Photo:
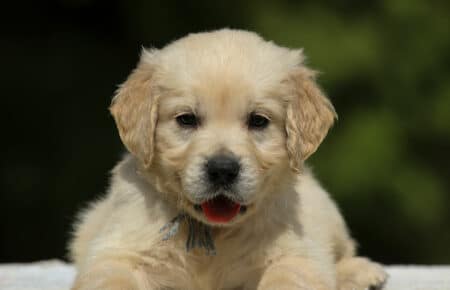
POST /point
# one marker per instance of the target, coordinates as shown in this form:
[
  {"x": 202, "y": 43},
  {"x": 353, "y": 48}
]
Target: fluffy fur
[{"x": 292, "y": 235}]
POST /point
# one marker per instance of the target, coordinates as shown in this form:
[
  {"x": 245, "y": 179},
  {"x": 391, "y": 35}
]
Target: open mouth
[{"x": 221, "y": 209}]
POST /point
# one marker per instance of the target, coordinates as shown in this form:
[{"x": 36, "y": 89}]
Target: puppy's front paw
[
  {"x": 298, "y": 273},
  {"x": 359, "y": 273},
  {"x": 108, "y": 276},
  {"x": 103, "y": 284}
]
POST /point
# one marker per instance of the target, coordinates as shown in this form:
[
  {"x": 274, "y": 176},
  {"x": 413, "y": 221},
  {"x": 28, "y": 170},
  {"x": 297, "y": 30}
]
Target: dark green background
[{"x": 385, "y": 65}]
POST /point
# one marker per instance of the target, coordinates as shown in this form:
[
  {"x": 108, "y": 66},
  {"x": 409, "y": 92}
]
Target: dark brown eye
[
  {"x": 258, "y": 122},
  {"x": 187, "y": 120}
]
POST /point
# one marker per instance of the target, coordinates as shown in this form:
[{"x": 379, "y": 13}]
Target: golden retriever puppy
[{"x": 215, "y": 193}]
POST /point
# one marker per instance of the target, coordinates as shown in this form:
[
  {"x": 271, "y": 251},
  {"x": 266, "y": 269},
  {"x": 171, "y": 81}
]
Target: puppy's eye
[
  {"x": 256, "y": 121},
  {"x": 187, "y": 120}
]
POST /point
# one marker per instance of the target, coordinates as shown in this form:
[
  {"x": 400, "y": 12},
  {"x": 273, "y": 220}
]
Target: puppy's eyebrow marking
[
  {"x": 266, "y": 113},
  {"x": 184, "y": 108},
  {"x": 269, "y": 107},
  {"x": 173, "y": 104}
]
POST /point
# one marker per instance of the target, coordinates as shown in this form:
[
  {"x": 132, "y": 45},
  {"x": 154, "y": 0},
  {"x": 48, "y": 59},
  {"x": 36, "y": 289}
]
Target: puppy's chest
[
  {"x": 224, "y": 271},
  {"x": 238, "y": 263}
]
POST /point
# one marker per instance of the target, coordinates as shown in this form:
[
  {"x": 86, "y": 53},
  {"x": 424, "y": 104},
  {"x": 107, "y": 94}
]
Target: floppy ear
[
  {"x": 134, "y": 109},
  {"x": 309, "y": 116}
]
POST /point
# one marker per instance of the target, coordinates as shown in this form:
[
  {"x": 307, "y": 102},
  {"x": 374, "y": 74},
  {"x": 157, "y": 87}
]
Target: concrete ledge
[
  {"x": 56, "y": 275},
  {"x": 46, "y": 275}
]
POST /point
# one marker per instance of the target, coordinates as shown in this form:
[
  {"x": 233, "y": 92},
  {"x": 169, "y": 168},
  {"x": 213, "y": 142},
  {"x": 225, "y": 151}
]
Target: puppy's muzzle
[{"x": 222, "y": 170}]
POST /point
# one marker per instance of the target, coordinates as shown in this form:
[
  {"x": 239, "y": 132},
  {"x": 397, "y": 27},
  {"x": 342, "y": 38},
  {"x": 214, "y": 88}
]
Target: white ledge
[{"x": 56, "y": 275}]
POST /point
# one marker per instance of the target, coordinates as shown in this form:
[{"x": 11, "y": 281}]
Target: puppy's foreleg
[
  {"x": 113, "y": 274},
  {"x": 298, "y": 273},
  {"x": 359, "y": 273}
]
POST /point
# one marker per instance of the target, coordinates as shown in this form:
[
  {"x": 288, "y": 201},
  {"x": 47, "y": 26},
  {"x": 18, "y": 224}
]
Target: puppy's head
[{"x": 222, "y": 121}]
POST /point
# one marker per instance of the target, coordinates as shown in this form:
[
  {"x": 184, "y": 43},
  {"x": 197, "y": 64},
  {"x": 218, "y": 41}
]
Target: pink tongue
[{"x": 220, "y": 209}]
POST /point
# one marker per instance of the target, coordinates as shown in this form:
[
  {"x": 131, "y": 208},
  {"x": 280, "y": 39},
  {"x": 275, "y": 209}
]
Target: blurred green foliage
[{"x": 385, "y": 65}]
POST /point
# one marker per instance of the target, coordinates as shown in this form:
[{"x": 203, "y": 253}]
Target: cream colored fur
[{"x": 292, "y": 235}]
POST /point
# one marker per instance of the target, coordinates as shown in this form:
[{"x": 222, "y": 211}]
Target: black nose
[{"x": 222, "y": 169}]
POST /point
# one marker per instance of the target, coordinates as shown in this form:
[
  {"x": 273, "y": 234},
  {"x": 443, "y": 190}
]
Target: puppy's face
[
  {"x": 224, "y": 141},
  {"x": 222, "y": 120}
]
